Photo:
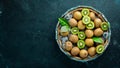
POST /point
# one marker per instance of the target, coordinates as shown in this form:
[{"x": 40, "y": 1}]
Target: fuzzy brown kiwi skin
[
  {"x": 75, "y": 51},
  {"x": 98, "y": 32},
  {"x": 64, "y": 33},
  {"x": 83, "y": 53},
  {"x": 72, "y": 22},
  {"x": 89, "y": 42},
  {"x": 73, "y": 38},
  {"x": 92, "y": 51},
  {"x": 92, "y": 15},
  {"x": 81, "y": 26},
  {"x": 97, "y": 22},
  {"x": 77, "y": 15},
  {"x": 68, "y": 45},
  {"x": 89, "y": 33}
]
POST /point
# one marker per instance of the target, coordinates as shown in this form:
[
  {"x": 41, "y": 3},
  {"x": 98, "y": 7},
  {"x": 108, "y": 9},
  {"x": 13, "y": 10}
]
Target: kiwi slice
[
  {"x": 104, "y": 26},
  {"x": 100, "y": 49},
  {"x": 90, "y": 25},
  {"x": 85, "y": 12},
  {"x": 74, "y": 30},
  {"x": 81, "y": 44},
  {"x": 81, "y": 35},
  {"x": 86, "y": 19}
]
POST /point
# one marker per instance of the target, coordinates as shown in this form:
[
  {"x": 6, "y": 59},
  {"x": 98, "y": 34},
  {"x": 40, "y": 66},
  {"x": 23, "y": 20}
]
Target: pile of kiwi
[{"x": 81, "y": 28}]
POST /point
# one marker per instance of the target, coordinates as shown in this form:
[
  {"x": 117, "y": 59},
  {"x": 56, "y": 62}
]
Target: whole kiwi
[
  {"x": 92, "y": 15},
  {"x": 81, "y": 26},
  {"x": 72, "y": 22},
  {"x": 89, "y": 42},
  {"x": 97, "y": 22},
  {"x": 75, "y": 51},
  {"x": 89, "y": 33},
  {"x": 73, "y": 38},
  {"x": 92, "y": 51},
  {"x": 77, "y": 15},
  {"x": 98, "y": 32},
  {"x": 68, "y": 45},
  {"x": 83, "y": 53},
  {"x": 64, "y": 33}
]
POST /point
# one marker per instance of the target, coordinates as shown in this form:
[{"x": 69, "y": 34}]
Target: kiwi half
[
  {"x": 100, "y": 49},
  {"x": 85, "y": 12},
  {"x": 74, "y": 30},
  {"x": 81, "y": 35},
  {"x": 86, "y": 19},
  {"x": 90, "y": 25},
  {"x": 81, "y": 44},
  {"x": 104, "y": 26}
]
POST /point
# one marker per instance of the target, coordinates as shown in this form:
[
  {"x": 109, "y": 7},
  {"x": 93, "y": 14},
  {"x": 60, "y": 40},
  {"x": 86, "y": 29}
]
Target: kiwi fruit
[
  {"x": 104, "y": 26},
  {"x": 73, "y": 22},
  {"x": 68, "y": 45},
  {"x": 73, "y": 38},
  {"x": 92, "y": 15},
  {"x": 77, "y": 15},
  {"x": 74, "y": 30},
  {"x": 64, "y": 29},
  {"x": 89, "y": 42},
  {"x": 100, "y": 49},
  {"x": 81, "y": 35},
  {"x": 98, "y": 32},
  {"x": 81, "y": 26},
  {"x": 97, "y": 22},
  {"x": 86, "y": 19},
  {"x": 81, "y": 44},
  {"x": 64, "y": 33},
  {"x": 75, "y": 51},
  {"x": 90, "y": 25},
  {"x": 89, "y": 33},
  {"x": 83, "y": 53},
  {"x": 91, "y": 51},
  {"x": 85, "y": 12}
]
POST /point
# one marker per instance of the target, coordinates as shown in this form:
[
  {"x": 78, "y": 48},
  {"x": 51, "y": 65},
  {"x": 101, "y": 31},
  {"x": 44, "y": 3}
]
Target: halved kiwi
[
  {"x": 81, "y": 44},
  {"x": 81, "y": 35},
  {"x": 74, "y": 30},
  {"x": 100, "y": 49},
  {"x": 90, "y": 25},
  {"x": 104, "y": 26},
  {"x": 86, "y": 19},
  {"x": 85, "y": 12}
]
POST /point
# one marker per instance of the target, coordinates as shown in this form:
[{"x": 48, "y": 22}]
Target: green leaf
[
  {"x": 63, "y": 22},
  {"x": 97, "y": 39}
]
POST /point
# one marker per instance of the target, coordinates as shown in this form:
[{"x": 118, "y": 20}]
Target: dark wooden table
[{"x": 27, "y": 34}]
